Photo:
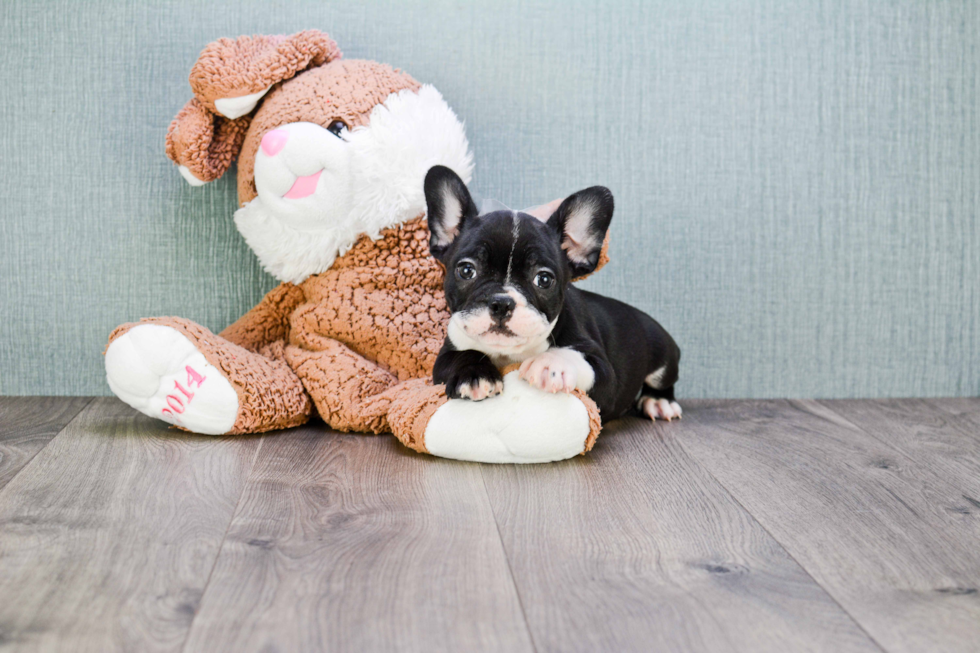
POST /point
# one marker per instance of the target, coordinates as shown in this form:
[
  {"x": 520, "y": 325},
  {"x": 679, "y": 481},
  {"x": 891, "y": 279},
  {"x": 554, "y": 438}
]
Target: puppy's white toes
[
  {"x": 648, "y": 405},
  {"x": 661, "y": 409},
  {"x": 570, "y": 380},
  {"x": 544, "y": 378},
  {"x": 553, "y": 380},
  {"x": 665, "y": 410},
  {"x": 481, "y": 389},
  {"x": 533, "y": 374},
  {"x": 552, "y": 371}
]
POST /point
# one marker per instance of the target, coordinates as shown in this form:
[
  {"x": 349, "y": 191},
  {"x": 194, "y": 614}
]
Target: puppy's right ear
[
  {"x": 581, "y": 223},
  {"x": 448, "y": 205}
]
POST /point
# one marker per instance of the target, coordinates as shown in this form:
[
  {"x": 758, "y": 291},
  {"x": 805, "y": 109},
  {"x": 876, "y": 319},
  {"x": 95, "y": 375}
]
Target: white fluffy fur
[{"x": 374, "y": 184}]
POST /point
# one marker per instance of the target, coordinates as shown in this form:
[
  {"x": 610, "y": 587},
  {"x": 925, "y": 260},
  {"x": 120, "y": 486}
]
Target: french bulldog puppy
[{"x": 508, "y": 288}]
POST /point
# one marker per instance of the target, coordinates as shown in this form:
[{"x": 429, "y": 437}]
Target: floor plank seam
[
  {"x": 885, "y": 443},
  {"x": 46, "y": 445},
  {"x": 221, "y": 546},
  {"x": 783, "y": 547},
  {"x": 510, "y": 569}
]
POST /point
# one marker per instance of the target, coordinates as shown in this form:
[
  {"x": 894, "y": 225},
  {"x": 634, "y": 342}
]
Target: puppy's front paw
[
  {"x": 660, "y": 408},
  {"x": 475, "y": 383},
  {"x": 556, "y": 370},
  {"x": 480, "y": 389}
]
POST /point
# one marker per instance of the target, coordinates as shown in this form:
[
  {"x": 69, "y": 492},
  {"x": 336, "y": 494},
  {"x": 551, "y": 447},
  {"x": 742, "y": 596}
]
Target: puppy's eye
[
  {"x": 465, "y": 270},
  {"x": 337, "y": 128},
  {"x": 544, "y": 280}
]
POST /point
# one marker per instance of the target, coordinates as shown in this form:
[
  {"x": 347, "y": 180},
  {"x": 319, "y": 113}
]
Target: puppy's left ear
[
  {"x": 582, "y": 221},
  {"x": 449, "y": 206}
]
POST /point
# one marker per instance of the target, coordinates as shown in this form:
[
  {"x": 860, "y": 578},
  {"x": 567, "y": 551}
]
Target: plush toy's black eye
[
  {"x": 544, "y": 280},
  {"x": 337, "y": 127},
  {"x": 465, "y": 270}
]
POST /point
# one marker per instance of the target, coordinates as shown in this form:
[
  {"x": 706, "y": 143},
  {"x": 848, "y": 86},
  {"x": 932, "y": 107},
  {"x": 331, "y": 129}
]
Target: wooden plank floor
[{"x": 748, "y": 526}]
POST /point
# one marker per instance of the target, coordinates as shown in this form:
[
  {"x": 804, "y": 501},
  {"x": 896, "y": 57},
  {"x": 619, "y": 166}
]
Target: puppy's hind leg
[{"x": 656, "y": 399}]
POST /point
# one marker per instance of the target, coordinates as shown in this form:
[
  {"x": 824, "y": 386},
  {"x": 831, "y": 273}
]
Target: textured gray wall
[{"x": 797, "y": 183}]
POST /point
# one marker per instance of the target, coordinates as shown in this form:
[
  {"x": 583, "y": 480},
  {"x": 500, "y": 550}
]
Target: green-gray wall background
[{"x": 797, "y": 182}]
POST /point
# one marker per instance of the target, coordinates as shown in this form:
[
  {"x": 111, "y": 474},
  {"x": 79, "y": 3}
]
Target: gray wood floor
[{"x": 748, "y": 526}]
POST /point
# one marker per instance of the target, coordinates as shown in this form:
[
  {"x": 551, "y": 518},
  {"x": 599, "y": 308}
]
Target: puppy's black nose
[{"x": 501, "y": 306}]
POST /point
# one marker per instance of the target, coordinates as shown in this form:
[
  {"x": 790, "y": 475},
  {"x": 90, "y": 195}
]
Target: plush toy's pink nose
[{"x": 274, "y": 141}]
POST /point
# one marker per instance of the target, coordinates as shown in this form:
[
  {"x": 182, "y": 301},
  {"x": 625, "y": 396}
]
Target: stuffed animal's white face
[{"x": 320, "y": 190}]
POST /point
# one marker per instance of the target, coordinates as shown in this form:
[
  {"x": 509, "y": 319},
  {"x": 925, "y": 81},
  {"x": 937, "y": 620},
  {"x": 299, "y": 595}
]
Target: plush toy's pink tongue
[{"x": 303, "y": 186}]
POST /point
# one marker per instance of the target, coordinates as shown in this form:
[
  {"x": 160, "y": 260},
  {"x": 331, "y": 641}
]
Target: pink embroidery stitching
[{"x": 175, "y": 402}]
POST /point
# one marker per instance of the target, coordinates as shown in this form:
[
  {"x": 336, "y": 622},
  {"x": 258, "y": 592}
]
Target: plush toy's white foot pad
[
  {"x": 159, "y": 372},
  {"x": 660, "y": 409},
  {"x": 521, "y": 425}
]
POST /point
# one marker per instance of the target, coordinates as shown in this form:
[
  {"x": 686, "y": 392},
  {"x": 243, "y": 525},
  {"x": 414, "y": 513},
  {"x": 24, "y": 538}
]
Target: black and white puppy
[{"x": 508, "y": 287}]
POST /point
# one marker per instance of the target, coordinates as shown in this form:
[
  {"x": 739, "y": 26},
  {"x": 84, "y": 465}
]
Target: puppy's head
[{"x": 507, "y": 271}]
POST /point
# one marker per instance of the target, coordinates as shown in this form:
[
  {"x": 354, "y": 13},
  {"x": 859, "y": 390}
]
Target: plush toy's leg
[
  {"x": 348, "y": 390},
  {"x": 521, "y": 425},
  {"x": 411, "y": 410},
  {"x": 178, "y": 371}
]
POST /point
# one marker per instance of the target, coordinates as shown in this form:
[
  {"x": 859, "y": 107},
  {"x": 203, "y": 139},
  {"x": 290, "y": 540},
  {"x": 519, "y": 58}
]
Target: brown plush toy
[{"x": 331, "y": 158}]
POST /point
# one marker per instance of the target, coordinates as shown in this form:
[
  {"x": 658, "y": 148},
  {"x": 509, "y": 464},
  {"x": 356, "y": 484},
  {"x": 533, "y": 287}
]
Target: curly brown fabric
[
  {"x": 595, "y": 421},
  {"x": 343, "y": 386},
  {"x": 205, "y": 142},
  {"x": 230, "y": 68},
  {"x": 417, "y": 400},
  {"x": 268, "y": 321},
  {"x": 383, "y": 299}
]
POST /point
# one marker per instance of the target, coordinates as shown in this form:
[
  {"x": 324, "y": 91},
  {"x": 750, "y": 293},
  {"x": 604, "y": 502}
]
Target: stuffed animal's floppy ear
[
  {"x": 582, "y": 221},
  {"x": 449, "y": 205},
  {"x": 231, "y": 76},
  {"x": 228, "y": 80},
  {"x": 203, "y": 144}
]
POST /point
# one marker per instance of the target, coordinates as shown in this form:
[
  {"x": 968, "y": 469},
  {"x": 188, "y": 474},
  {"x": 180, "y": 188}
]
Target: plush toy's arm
[
  {"x": 522, "y": 425},
  {"x": 268, "y": 322}
]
